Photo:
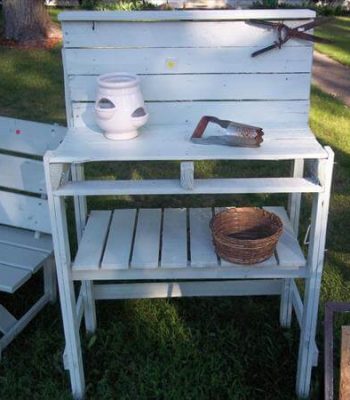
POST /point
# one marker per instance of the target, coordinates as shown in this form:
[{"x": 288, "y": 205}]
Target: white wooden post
[
  {"x": 80, "y": 208},
  {"x": 294, "y": 202},
  {"x": 53, "y": 174},
  {"x": 319, "y": 218}
]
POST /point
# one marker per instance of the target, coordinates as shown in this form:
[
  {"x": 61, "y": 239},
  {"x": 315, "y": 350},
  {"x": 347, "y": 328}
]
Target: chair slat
[
  {"x": 25, "y": 238},
  {"x": 22, "y": 174},
  {"x": 24, "y": 211},
  {"x": 12, "y": 278},
  {"x": 30, "y": 260},
  {"x": 29, "y": 137}
]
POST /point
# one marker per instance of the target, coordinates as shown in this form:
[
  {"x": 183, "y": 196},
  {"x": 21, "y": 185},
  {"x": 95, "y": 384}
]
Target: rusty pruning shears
[{"x": 284, "y": 33}]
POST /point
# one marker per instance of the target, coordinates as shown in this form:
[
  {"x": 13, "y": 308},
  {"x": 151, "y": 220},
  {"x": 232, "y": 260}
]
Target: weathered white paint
[
  {"x": 147, "y": 239},
  {"x": 174, "y": 239},
  {"x": 29, "y": 137},
  {"x": 22, "y": 174},
  {"x": 279, "y": 115},
  {"x": 204, "y": 60},
  {"x": 183, "y": 289},
  {"x": 198, "y": 87},
  {"x": 172, "y": 143},
  {"x": 209, "y": 15},
  {"x": 24, "y": 211},
  {"x": 118, "y": 247}
]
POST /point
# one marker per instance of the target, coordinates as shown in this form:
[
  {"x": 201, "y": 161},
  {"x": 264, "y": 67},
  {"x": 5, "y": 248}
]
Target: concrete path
[{"x": 332, "y": 77}]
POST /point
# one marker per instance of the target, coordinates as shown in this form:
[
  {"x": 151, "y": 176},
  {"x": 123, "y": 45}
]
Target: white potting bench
[{"x": 191, "y": 64}]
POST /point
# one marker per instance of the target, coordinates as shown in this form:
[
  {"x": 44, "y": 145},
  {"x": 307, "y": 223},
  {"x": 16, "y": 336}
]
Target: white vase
[{"x": 119, "y": 108}]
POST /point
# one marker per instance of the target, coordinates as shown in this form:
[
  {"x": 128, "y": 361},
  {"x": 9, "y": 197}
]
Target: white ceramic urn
[{"x": 119, "y": 108}]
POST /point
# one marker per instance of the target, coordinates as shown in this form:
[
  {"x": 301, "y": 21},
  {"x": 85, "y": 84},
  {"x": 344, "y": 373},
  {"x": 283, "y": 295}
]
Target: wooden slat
[
  {"x": 22, "y": 174},
  {"x": 24, "y": 211},
  {"x": 344, "y": 386},
  {"x": 7, "y": 320},
  {"x": 11, "y": 278},
  {"x": 174, "y": 238},
  {"x": 173, "y": 143},
  {"x": 29, "y": 137},
  {"x": 118, "y": 247},
  {"x": 183, "y": 60},
  {"x": 201, "y": 246},
  {"x": 288, "y": 251},
  {"x": 27, "y": 239},
  {"x": 206, "y": 87},
  {"x": 189, "y": 15},
  {"x": 92, "y": 243},
  {"x": 277, "y": 114},
  {"x": 169, "y": 34},
  {"x": 182, "y": 289},
  {"x": 201, "y": 186},
  {"x": 30, "y": 260},
  {"x": 147, "y": 239},
  {"x": 271, "y": 262}
]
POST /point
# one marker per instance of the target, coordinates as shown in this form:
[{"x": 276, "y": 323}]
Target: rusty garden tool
[
  {"x": 284, "y": 33},
  {"x": 238, "y": 135}
]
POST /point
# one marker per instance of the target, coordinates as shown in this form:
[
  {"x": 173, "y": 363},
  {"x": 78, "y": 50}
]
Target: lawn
[
  {"x": 338, "y": 32},
  {"x": 219, "y": 348}
]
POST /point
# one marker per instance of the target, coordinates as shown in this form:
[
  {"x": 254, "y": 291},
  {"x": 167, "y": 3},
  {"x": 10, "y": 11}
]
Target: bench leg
[
  {"x": 286, "y": 304},
  {"x": 294, "y": 202},
  {"x": 320, "y": 207},
  {"x": 89, "y": 306},
  {"x": 50, "y": 283},
  {"x": 80, "y": 207}
]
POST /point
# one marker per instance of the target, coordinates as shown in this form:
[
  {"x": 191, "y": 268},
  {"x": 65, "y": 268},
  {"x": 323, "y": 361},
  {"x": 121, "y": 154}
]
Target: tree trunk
[{"x": 25, "y": 20}]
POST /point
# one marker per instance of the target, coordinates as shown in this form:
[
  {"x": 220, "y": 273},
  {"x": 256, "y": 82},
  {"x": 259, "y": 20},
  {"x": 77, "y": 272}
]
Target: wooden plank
[
  {"x": 99, "y": 61},
  {"x": 173, "y": 143},
  {"x": 27, "y": 239},
  {"x": 183, "y": 289},
  {"x": 11, "y": 278},
  {"x": 119, "y": 242},
  {"x": 91, "y": 246},
  {"x": 169, "y": 34},
  {"x": 29, "y": 137},
  {"x": 288, "y": 251},
  {"x": 24, "y": 211},
  {"x": 344, "y": 386},
  {"x": 22, "y": 174},
  {"x": 277, "y": 114},
  {"x": 202, "y": 87},
  {"x": 201, "y": 186},
  {"x": 185, "y": 15},
  {"x": 271, "y": 262},
  {"x": 7, "y": 320},
  {"x": 174, "y": 238},
  {"x": 217, "y": 272},
  {"x": 147, "y": 239},
  {"x": 30, "y": 260},
  {"x": 201, "y": 246}
]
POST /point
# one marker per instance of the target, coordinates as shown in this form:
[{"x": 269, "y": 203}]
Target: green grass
[
  {"x": 338, "y": 32},
  {"x": 220, "y": 348}
]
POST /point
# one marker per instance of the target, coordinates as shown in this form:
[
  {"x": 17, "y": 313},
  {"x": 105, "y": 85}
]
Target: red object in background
[{"x": 18, "y": 131}]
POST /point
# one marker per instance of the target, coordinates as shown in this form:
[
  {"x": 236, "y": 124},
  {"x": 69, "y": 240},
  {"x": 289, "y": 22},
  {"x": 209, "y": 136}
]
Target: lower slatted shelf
[{"x": 171, "y": 244}]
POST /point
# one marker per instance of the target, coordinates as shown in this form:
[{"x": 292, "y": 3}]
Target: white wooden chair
[{"x": 25, "y": 243}]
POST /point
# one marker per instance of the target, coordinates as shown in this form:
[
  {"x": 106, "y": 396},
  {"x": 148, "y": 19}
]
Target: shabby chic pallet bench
[
  {"x": 190, "y": 63},
  {"x": 25, "y": 240}
]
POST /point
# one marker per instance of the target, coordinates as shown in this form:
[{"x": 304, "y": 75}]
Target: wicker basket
[{"x": 245, "y": 235}]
